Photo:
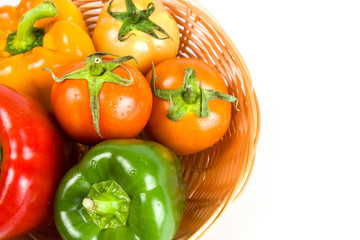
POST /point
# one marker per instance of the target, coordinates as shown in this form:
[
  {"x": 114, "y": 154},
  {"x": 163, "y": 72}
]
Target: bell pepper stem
[
  {"x": 107, "y": 204},
  {"x": 27, "y": 37}
]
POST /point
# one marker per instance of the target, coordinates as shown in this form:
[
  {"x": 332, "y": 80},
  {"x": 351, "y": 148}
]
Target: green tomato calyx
[
  {"x": 27, "y": 37},
  {"x": 107, "y": 204},
  {"x": 96, "y": 73},
  {"x": 189, "y": 97},
  {"x": 135, "y": 19}
]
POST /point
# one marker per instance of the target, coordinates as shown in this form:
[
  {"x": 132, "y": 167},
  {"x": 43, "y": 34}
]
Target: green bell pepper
[{"x": 122, "y": 189}]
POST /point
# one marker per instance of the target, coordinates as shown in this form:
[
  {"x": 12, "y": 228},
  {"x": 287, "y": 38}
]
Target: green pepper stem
[
  {"x": 107, "y": 204},
  {"x": 26, "y": 35}
]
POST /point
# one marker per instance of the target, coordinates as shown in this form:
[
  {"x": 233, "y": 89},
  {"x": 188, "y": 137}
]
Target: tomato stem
[
  {"x": 27, "y": 37},
  {"x": 135, "y": 19},
  {"x": 107, "y": 204},
  {"x": 189, "y": 97},
  {"x": 97, "y": 67}
]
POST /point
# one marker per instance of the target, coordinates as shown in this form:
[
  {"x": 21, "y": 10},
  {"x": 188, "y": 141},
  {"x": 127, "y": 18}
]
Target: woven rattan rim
[{"x": 218, "y": 175}]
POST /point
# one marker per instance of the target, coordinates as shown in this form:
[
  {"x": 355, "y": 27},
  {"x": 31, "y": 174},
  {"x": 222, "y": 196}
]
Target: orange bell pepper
[{"x": 40, "y": 34}]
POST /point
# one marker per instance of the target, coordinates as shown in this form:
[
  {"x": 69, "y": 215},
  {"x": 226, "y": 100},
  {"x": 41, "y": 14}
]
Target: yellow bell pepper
[{"x": 40, "y": 34}]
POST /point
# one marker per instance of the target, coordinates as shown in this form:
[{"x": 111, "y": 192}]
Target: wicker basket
[{"x": 216, "y": 176}]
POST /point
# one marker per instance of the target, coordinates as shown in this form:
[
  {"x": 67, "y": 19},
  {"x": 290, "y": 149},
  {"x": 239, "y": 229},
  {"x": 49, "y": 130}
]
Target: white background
[{"x": 304, "y": 59}]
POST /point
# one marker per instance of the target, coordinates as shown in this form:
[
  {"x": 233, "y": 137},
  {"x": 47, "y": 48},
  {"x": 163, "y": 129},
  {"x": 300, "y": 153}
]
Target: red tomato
[
  {"x": 123, "y": 111},
  {"x": 190, "y": 133}
]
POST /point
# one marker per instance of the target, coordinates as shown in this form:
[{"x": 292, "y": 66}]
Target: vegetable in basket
[
  {"x": 96, "y": 100},
  {"x": 38, "y": 34},
  {"x": 34, "y": 156},
  {"x": 142, "y": 29},
  {"x": 191, "y": 107},
  {"x": 122, "y": 189}
]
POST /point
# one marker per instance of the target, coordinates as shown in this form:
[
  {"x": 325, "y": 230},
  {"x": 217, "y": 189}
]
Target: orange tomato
[
  {"x": 140, "y": 44},
  {"x": 123, "y": 110},
  {"x": 191, "y": 133}
]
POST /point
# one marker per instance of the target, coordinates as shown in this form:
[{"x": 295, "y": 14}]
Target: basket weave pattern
[{"x": 216, "y": 176}]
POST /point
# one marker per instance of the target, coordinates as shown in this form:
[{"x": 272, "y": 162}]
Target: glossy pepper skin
[
  {"x": 154, "y": 199},
  {"x": 34, "y": 157},
  {"x": 65, "y": 41}
]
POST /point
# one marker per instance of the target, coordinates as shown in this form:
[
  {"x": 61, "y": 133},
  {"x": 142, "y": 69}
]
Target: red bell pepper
[{"x": 34, "y": 157}]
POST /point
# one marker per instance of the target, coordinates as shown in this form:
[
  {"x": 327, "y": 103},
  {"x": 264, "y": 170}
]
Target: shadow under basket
[{"x": 217, "y": 176}]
